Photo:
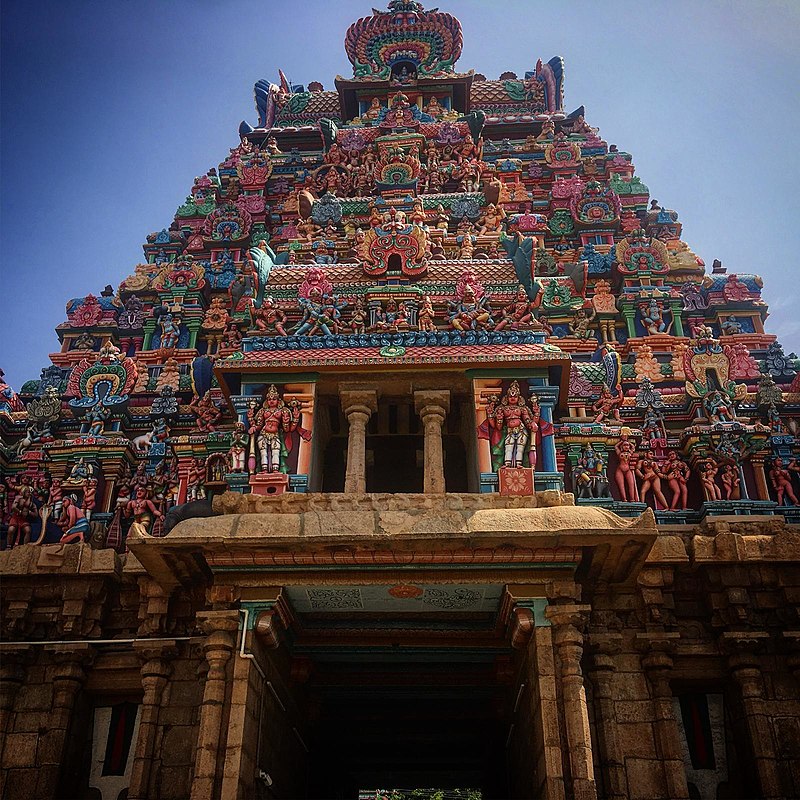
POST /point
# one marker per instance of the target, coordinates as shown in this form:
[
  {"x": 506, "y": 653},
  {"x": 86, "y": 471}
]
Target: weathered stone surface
[{"x": 20, "y": 750}]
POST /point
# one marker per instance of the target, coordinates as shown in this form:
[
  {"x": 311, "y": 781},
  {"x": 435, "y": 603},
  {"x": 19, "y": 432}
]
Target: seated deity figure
[
  {"x": 470, "y": 313},
  {"x": 517, "y": 314},
  {"x": 73, "y": 521},
  {"x": 268, "y": 318}
]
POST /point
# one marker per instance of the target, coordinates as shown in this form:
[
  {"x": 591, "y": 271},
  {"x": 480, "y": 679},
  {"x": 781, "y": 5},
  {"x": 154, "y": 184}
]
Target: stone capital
[
  {"x": 225, "y": 621},
  {"x": 155, "y": 657},
  {"x": 67, "y": 653},
  {"x": 432, "y": 402},
  {"x": 568, "y": 614},
  {"x": 359, "y": 397},
  {"x": 743, "y": 643}
]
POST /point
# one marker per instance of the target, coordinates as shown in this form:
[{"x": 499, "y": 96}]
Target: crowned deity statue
[
  {"x": 271, "y": 427},
  {"x": 511, "y": 427}
]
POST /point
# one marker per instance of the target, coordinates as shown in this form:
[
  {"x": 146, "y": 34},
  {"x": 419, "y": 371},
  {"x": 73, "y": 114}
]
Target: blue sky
[{"x": 111, "y": 107}]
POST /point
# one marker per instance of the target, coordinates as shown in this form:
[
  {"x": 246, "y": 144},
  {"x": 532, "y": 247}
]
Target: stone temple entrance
[
  {"x": 414, "y": 641},
  {"x": 405, "y": 685}
]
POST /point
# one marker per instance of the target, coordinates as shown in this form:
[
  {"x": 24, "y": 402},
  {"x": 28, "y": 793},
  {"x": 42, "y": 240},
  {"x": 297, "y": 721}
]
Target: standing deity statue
[
  {"x": 650, "y": 473},
  {"x": 271, "y": 425},
  {"x": 511, "y": 427},
  {"x": 707, "y": 469},
  {"x": 237, "y": 455},
  {"x": 22, "y": 510},
  {"x": 677, "y": 472},
  {"x": 781, "y": 480},
  {"x": 625, "y": 473}
]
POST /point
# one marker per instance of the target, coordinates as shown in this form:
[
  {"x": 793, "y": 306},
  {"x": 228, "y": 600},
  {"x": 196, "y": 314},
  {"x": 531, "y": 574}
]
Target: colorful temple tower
[{"x": 419, "y": 450}]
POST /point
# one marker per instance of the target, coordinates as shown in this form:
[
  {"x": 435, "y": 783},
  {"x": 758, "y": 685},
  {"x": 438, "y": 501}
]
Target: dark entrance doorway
[{"x": 408, "y": 725}]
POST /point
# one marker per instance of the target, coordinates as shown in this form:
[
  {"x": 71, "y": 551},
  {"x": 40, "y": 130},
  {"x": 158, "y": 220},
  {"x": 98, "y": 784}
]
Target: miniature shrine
[{"x": 419, "y": 416}]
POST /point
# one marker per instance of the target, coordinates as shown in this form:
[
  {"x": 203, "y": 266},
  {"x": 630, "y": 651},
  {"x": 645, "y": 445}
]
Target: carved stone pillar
[
  {"x": 604, "y": 648},
  {"x": 657, "y": 664},
  {"x": 746, "y": 670},
  {"x": 220, "y": 627},
  {"x": 359, "y": 402},
  {"x": 68, "y": 677},
  {"x": 568, "y": 621},
  {"x": 13, "y": 659},
  {"x": 155, "y": 672},
  {"x": 432, "y": 406}
]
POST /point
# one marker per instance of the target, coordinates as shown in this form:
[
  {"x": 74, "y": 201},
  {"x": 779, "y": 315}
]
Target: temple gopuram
[{"x": 420, "y": 456}]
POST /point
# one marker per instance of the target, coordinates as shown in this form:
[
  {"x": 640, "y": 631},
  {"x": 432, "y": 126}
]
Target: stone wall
[{"x": 713, "y": 611}]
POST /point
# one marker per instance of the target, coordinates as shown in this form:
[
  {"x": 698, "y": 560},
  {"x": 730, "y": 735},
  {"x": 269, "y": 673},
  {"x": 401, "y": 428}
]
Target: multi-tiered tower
[{"x": 388, "y": 335}]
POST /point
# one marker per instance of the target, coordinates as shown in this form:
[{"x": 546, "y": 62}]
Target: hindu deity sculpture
[
  {"x": 607, "y": 407},
  {"x": 651, "y": 313},
  {"x": 270, "y": 426},
  {"x": 731, "y": 481},
  {"x": 268, "y": 318},
  {"x": 718, "y": 408},
  {"x": 730, "y": 326},
  {"x": 517, "y": 314},
  {"x": 96, "y": 418},
  {"x": 237, "y": 454},
  {"x": 427, "y": 315},
  {"x": 143, "y": 512},
  {"x": 170, "y": 325},
  {"x": 320, "y": 314},
  {"x": 513, "y": 425},
  {"x": 781, "y": 480},
  {"x": 491, "y": 220},
  {"x": 590, "y": 475},
  {"x": 625, "y": 473},
  {"x": 677, "y": 472},
  {"x": 206, "y": 411},
  {"x": 707, "y": 469},
  {"x": 358, "y": 317},
  {"x": 392, "y": 317},
  {"x": 19, "y": 521},
  {"x": 579, "y": 327},
  {"x": 470, "y": 310},
  {"x": 9, "y": 400},
  {"x": 649, "y": 472},
  {"x": 73, "y": 521}
]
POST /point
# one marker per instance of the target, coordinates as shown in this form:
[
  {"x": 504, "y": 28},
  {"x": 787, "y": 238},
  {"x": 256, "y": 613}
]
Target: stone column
[
  {"x": 746, "y": 670},
  {"x": 155, "y": 673},
  {"x": 548, "y": 397},
  {"x": 359, "y": 403},
  {"x": 220, "y": 627},
  {"x": 657, "y": 664},
  {"x": 761, "y": 479},
  {"x": 68, "y": 677},
  {"x": 432, "y": 406},
  {"x": 605, "y": 647},
  {"x": 13, "y": 660},
  {"x": 568, "y": 621}
]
